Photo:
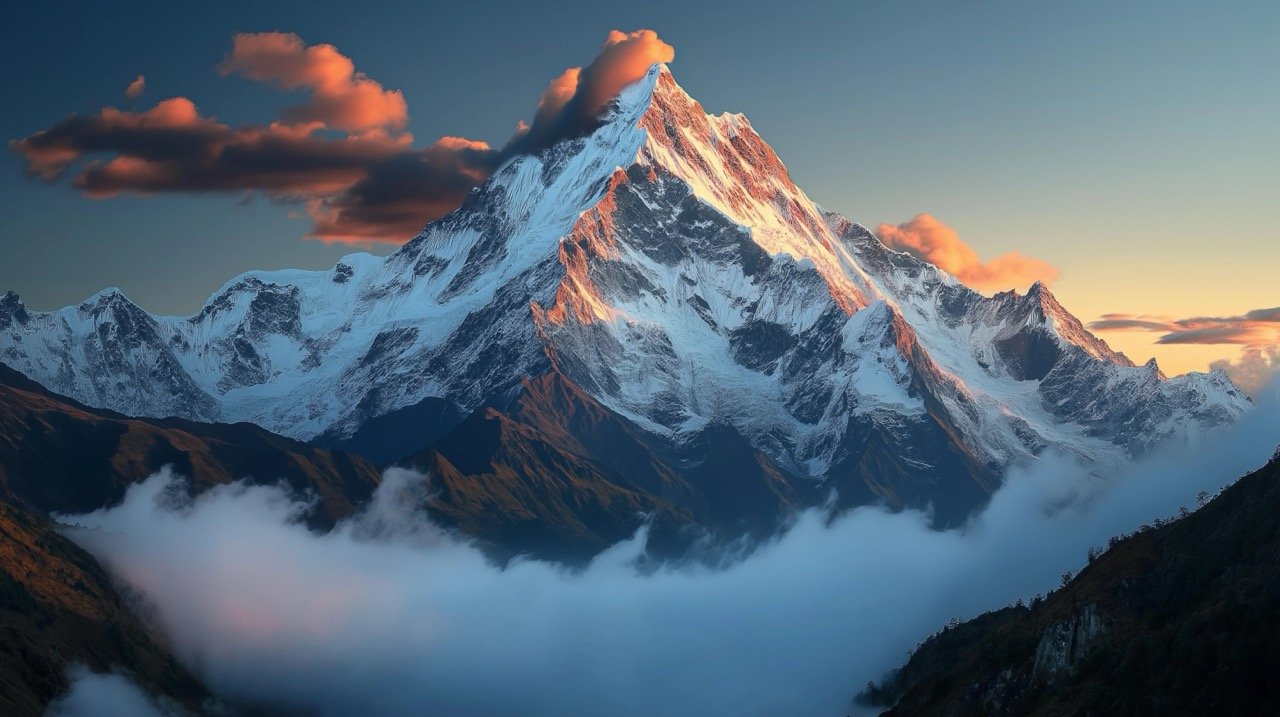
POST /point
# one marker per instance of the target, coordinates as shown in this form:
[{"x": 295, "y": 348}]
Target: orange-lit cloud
[
  {"x": 928, "y": 239},
  {"x": 572, "y": 102},
  {"x": 558, "y": 93},
  {"x": 341, "y": 97},
  {"x": 136, "y": 88},
  {"x": 344, "y": 153},
  {"x": 624, "y": 59},
  {"x": 172, "y": 147},
  {"x": 1260, "y": 327}
]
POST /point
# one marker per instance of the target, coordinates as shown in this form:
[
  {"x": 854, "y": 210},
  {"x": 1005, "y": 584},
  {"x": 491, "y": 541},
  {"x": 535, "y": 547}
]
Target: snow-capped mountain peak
[{"x": 668, "y": 265}]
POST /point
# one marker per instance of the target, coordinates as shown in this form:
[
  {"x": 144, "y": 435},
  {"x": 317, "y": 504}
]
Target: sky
[{"x": 1130, "y": 152}]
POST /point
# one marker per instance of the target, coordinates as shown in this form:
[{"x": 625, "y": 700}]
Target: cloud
[
  {"x": 107, "y": 695},
  {"x": 341, "y": 97},
  {"x": 173, "y": 148},
  {"x": 572, "y": 102},
  {"x": 1260, "y": 327},
  {"x": 1254, "y": 370},
  {"x": 1128, "y": 322},
  {"x": 344, "y": 152},
  {"x": 1246, "y": 334},
  {"x": 558, "y": 93},
  {"x": 389, "y": 615},
  {"x": 136, "y": 88},
  {"x": 398, "y": 195},
  {"x": 928, "y": 239},
  {"x": 625, "y": 58}
]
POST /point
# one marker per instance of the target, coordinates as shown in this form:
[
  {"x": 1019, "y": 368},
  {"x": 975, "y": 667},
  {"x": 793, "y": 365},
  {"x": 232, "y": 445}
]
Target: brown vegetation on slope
[
  {"x": 58, "y": 608},
  {"x": 1179, "y": 618}
]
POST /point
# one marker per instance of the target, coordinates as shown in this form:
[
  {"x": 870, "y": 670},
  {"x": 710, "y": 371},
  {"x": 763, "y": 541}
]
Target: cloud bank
[
  {"x": 1256, "y": 367},
  {"x": 928, "y": 239},
  {"x": 344, "y": 152},
  {"x": 389, "y": 615},
  {"x": 107, "y": 695}
]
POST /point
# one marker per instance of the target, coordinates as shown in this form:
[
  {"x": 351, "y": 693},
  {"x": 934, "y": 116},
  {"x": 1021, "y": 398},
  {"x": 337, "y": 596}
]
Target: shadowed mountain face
[
  {"x": 57, "y": 608},
  {"x": 1176, "y": 619},
  {"x": 60, "y": 456},
  {"x": 668, "y": 267},
  {"x": 557, "y": 474}
]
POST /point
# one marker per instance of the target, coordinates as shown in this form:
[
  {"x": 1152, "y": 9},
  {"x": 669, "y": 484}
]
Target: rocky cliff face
[
  {"x": 1064, "y": 644},
  {"x": 667, "y": 265}
]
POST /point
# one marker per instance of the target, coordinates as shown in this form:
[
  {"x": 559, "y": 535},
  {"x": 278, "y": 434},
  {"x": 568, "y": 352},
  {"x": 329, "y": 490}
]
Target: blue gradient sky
[{"x": 1134, "y": 145}]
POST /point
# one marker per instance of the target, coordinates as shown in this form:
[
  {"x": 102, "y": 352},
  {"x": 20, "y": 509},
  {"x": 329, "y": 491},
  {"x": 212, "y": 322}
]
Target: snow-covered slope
[{"x": 667, "y": 264}]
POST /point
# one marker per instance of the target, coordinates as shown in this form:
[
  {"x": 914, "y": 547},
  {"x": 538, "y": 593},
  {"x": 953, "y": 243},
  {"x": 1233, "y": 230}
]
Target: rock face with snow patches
[{"x": 666, "y": 267}]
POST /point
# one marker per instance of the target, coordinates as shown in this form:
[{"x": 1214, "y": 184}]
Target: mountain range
[
  {"x": 655, "y": 309},
  {"x": 645, "y": 324}
]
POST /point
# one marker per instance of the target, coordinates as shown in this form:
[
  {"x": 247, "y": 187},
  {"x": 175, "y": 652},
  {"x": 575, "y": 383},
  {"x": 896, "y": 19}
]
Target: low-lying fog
[{"x": 389, "y": 615}]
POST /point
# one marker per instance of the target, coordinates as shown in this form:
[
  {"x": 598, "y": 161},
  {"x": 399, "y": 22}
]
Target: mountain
[
  {"x": 58, "y": 607},
  {"x": 1178, "y": 618},
  {"x": 59, "y": 456},
  {"x": 556, "y": 474},
  {"x": 667, "y": 268}
]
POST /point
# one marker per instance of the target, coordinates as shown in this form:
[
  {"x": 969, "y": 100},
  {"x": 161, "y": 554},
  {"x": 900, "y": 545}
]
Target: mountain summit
[{"x": 667, "y": 269}]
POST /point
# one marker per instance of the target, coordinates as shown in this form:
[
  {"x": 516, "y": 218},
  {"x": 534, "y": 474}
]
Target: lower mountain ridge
[
  {"x": 556, "y": 474},
  {"x": 1178, "y": 618},
  {"x": 58, "y": 607},
  {"x": 59, "y": 456}
]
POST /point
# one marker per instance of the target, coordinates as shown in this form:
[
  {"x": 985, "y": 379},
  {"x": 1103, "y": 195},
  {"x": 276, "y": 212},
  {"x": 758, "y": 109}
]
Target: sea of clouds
[{"x": 390, "y": 615}]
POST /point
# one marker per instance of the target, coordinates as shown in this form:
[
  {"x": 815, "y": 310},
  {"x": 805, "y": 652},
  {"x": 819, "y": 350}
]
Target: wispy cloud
[
  {"x": 1257, "y": 331},
  {"x": 136, "y": 88},
  {"x": 1259, "y": 327}
]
